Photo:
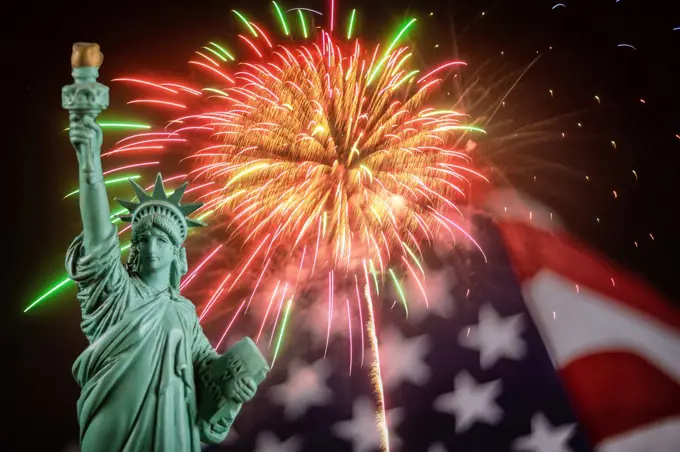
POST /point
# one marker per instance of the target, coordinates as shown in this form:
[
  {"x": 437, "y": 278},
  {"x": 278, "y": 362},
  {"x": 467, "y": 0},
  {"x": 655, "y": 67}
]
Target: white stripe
[{"x": 585, "y": 322}]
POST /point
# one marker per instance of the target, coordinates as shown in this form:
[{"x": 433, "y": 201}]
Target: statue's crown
[{"x": 159, "y": 201}]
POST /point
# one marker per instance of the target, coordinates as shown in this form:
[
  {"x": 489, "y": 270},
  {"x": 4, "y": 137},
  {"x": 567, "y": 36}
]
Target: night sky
[{"x": 638, "y": 88}]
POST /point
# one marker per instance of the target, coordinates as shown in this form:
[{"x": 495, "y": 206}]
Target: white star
[
  {"x": 305, "y": 387},
  {"x": 437, "y": 285},
  {"x": 403, "y": 359},
  {"x": 543, "y": 437},
  {"x": 494, "y": 337},
  {"x": 471, "y": 402},
  {"x": 315, "y": 318},
  {"x": 362, "y": 430},
  {"x": 269, "y": 442}
]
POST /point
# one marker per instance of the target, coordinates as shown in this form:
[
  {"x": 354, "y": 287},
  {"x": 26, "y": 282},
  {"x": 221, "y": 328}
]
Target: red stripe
[
  {"x": 532, "y": 250},
  {"x": 615, "y": 392}
]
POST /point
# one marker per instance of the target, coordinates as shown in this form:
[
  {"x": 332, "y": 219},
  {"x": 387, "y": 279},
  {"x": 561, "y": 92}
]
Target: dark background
[{"x": 142, "y": 38}]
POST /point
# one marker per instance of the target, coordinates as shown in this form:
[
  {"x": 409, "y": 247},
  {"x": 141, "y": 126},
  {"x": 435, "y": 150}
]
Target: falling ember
[
  {"x": 613, "y": 282},
  {"x": 598, "y": 100},
  {"x": 651, "y": 236},
  {"x": 577, "y": 289},
  {"x": 616, "y": 195},
  {"x": 613, "y": 144},
  {"x": 635, "y": 174}
]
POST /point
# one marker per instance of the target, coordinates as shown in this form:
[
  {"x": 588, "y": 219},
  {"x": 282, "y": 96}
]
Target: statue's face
[{"x": 156, "y": 251}]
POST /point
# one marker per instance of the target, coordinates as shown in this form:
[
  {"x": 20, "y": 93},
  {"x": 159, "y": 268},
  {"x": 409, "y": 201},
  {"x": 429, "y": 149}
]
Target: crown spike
[
  {"x": 176, "y": 196},
  {"x": 140, "y": 192},
  {"x": 193, "y": 223},
  {"x": 129, "y": 205},
  {"x": 188, "y": 209},
  {"x": 159, "y": 189}
]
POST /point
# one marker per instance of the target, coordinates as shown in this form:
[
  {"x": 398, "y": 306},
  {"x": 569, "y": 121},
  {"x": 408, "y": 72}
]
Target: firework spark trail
[
  {"x": 361, "y": 319},
  {"x": 376, "y": 376},
  {"x": 284, "y": 323},
  {"x": 257, "y": 284},
  {"x": 349, "y": 332},
  {"x": 420, "y": 285},
  {"x": 226, "y": 330},
  {"x": 266, "y": 315},
  {"x": 193, "y": 274},
  {"x": 331, "y": 289},
  {"x": 108, "y": 182},
  {"x": 213, "y": 299},
  {"x": 278, "y": 313},
  {"x": 134, "y": 165}
]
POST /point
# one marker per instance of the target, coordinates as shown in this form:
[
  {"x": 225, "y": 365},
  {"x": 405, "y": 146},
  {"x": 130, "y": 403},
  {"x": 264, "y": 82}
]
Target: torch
[{"x": 86, "y": 97}]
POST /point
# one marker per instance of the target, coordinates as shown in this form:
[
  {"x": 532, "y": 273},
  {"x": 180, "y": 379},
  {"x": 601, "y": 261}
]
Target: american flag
[{"x": 546, "y": 346}]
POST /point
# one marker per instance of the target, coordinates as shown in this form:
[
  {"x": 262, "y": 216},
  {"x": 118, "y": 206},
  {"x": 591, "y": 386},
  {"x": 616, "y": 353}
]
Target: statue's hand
[
  {"x": 242, "y": 390},
  {"x": 86, "y": 137}
]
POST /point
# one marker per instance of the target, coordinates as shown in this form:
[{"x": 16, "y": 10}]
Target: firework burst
[
  {"x": 326, "y": 152},
  {"x": 315, "y": 150}
]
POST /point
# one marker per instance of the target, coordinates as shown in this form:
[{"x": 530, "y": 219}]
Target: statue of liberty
[{"x": 150, "y": 379}]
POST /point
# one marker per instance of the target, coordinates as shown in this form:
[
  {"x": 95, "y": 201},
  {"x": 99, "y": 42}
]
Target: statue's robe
[{"x": 146, "y": 352}]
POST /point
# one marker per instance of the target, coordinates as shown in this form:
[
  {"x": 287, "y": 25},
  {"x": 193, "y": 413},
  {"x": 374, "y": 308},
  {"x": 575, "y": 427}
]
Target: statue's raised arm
[
  {"x": 151, "y": 381},
  {"x": 93, "y": 258},
  {"x": 84, "y": 100}
]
